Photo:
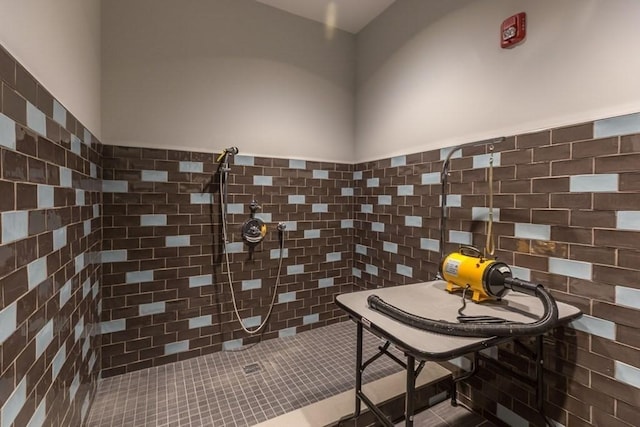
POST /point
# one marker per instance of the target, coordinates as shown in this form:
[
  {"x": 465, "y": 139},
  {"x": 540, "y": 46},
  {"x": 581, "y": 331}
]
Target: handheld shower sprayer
[{"x": 231, "y": 151}]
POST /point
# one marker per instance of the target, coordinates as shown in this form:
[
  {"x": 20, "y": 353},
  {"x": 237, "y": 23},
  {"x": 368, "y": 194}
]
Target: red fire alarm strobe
[{"x": 513, "y": 30}]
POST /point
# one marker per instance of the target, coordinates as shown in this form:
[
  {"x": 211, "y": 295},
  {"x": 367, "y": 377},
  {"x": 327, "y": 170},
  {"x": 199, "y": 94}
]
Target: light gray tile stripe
[
  {"x": 532, "y": 231},
  {"x": 176, "y": 347},
  {"x": 333, "y": 256},
  {"x": 570, "y": 268},
  {"x": 151, "y": 220},
  {"x": 390, "y": 247},
  {"x": 152, "y": 308},
  {"x": 326, "y": 282},
  {"x": 201, "y": 198},
  {"x": 36, "y": 272},
  {"x": 36, "y": 119},
  {"x": 286, "y": 297},
  {"x": 321, "y": 174},
  {"x": 203, "y": 280},
  {"x": 596, "y": 326},
  {"x": 200, "y": 322},
  {"x": 384, "y": 199},
  {"x": 14, "y": 403},
  {"x": 287, "y": 332},
  {"x": 196, "y": 167},
  {"x": 628, "y": 297},
  {"x": 482, "y": 214},
  {"x": 361, "y": 249},
  {"x": 346, "y": 223},
  {"x": 430, "y": 178},
  {"x": 248, "y": 285},
  {"x": 310, "y": 318},
  {"x": 593, "y": 183},
  {"x": 432, "y": 245},
  {"x": 241, "y": 160},
  {"x": 511, "y": 418},
  {"x": 377, "y": 227},
  {"x": 154, "y": 176},
  {"x": 405, "y": 190},
  {"x": 319, "y": 208},
  {"x": 347, "y": 191},
  {"x": 139, "y": 276},
  {"x": 7, "y": 132},
  {"x": 483, "y": 160},
  {"x": 460, "y": 237},
  {"x": 262, "y": 180},
  {"x": 252, "y": 322},
  {"x": 627, "y": 374},
  {"x": 111, "y": 326},
  {"x": 373, "y": 182},
  {"x": 8, "y": 320},
  {"x": 232, "y": 344},
  {"x": 311, "y": 234},
  {"x": 15, "y": 226},
  {"x": 621, "y": 125},
  {"x": 110, "y": 186},
  {"x": 295, "y": 269},
  {"x": 413, "y": 221},
  {"x": 371, "y": 269},
  {"x": 628, "y": 220},
  {"x": 404, "y": 270},
  {"x": 357, "y": 175},
  {"x": 59, "y": 113},
  {"x": 398, "y": 161},
  {"x": 296, "y": 199},
  {"x": 176, "y": 241},
  {"x": 119, "y": 255},
  {"x": 297, "y": 164}
]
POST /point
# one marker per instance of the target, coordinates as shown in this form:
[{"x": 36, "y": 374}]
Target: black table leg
[
  {"x": 411, "y": 388},
  {"x": 358, "y": 369}
]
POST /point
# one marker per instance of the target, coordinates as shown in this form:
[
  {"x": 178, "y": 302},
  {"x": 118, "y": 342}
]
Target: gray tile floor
[{"x": 243, "y": 388}]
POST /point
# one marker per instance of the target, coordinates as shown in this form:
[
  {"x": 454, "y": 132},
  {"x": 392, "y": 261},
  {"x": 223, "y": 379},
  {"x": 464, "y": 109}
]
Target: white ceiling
[{"x": 348, "y": 15}]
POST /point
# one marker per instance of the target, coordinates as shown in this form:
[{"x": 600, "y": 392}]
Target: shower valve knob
[{"x": 281, "y": 226}]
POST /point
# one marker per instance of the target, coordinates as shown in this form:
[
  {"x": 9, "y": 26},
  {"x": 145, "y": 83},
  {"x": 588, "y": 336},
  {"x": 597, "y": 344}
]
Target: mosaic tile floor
[{"x": 241, "y": 388}]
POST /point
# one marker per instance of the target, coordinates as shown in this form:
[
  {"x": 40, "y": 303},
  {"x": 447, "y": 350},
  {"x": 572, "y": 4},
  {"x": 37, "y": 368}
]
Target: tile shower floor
[{"x": 243, "y": 388}]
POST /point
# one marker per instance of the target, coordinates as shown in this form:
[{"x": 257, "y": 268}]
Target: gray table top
[{"x": 430, "y": 299}]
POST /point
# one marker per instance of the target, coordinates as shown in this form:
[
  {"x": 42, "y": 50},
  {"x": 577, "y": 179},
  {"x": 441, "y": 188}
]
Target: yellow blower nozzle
[{"x": 468, "y": 268}]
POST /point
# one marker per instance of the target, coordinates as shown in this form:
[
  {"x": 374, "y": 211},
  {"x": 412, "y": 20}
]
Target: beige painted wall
[
  {"x": 450, "y": 82},
  {"x": 206, "y": 75},
  {"x": 59, "y": 43}
]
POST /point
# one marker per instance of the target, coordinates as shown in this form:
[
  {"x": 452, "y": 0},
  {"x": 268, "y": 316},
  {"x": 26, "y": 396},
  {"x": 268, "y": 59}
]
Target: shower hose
[
  {"x": 479, "y": 329},
  {"x": 223, "y": 207}
]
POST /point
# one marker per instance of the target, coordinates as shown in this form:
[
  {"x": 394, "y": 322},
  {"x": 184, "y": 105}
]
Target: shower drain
[{"x": 251, "y": 368}]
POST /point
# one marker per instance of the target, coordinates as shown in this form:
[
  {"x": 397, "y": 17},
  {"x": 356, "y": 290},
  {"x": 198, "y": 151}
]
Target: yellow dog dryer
[{"x": 468, "y": 268}]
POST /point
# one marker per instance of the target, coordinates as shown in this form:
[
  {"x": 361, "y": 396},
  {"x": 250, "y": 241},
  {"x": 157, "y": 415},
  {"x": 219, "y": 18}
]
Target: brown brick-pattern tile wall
[
  {"x": 568, "y": 213},
  {"x": 51, "y": 231},
  {"x": 165, "y": 290}
]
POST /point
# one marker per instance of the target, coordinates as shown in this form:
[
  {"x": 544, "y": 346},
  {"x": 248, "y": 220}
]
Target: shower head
[{"x": 231, "y": 151}]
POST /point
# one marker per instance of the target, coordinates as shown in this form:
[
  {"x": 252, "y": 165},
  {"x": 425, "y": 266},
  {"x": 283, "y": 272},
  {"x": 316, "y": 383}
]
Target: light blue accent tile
[
  {"x": 36, "y": 119},
  {"x": 361, "y": 249},
  {"x": 80, "y": 197},
  {"x": 86, "y": 136},
  {"x": 75, "y": 384},
  {"x": 79, "y": 329},
  {"x": 109, "y": 186},
  {"x": 532, "y": 231},
  {"x": 295, "y": 269},
  {"x": 241, "y": 160},
  {"x": 119, "y": 255},
  {"x": 432, "y": 245},
  {"x": 356, "y": 272},
  {"x": 234, "y": 247},
  {"x": 404, "y": 270},
  {"x": 112, "y": 326},
  {"x": 95, "y": 289},
  {"x": 262, "y": 180},
  {"x": 151, "y": 220},
  {"x": 37, "y": 272},
  {"x": 76, "y": 145},
  {"x": 252, "y": 322},
  {"x": 371, "y": 269},
  {"x": 482, "y": 160},
  {"x": 319, "y": 174},
  {"x": 570, "y": 268},
  {"x": 152, "y": 308},
  {"x": 297, "y": 164},
  {"x": 79, "y": 263},
  {"x": 377, "y": 226},
  {"x": 454, "y": 200},
  {"x": 65, "y": 293},
  {"x": 291, "y": 225},
  {"x": 491, "y": 352},
  {"x": 235, "y": 208},
  {"x": 8, "y": 320},
  {"x": 264, "y": 216},
  {"x": 38, "y": 417},
  {"x": 96, "y": 210},
  {"x": 357, "y": 175},
  {"x": 595, "y": 326},
  {"x": 413, "y": 221},
  {"x": 275, "y": 253},
  {"x": 311, "y": 234},
  {"x": 59, "y": 113},
  {"x": 44, "y": 338},
  {"x": 310, "y": 318},
  {"x": 319, "y": 208},
  {"x": 59, "y": 238},
  {"x": 87, "y": 227},
  {"x": 201, "y": 198},
  {"x": 621, "y": 125},
  {"x": 366, "y": 208},
  {"x": 628, "y": 220},
  {"x": 444, "y": 152},
  {"x": 405, "y": 190},
  {"x": 628, "y": 297},
  {"x": 176, "y": 347},
  {"x": 154, "y": 176},
  {"x": 200, "y": 322},
  {"x": 598, "y": 183},
  {"x": 509, "y": 417},
  {"x": 398, "y": 161},
  {"x": 85, "y": 408},
  {"x": 248, "y": 285},
  {"x": 296, "y": 199},
  {"x": 390, "y": 247},
  {"x": 334, "y": 256},
  {"x": 286, "y": 297},
  {"x": 482, "y": 214},
  {"x": 14, "y": 403},
  {"x": 373, "y": 182},
  {"x": 66, "y": 179},
  {"x": 15, "y": 226},
  {"x": 196, "y": 167},
  {"x": 627, "y": 374},
  {"x": 203, "y": 280},
  {"x": 384, "y": 200},
  {"x": 440, "y": 397},
  {"x": 287, "y": 332},
  {"x": 139, "y": 276},
  {"x": 460, "y": 237},
  {"x": 93, "y": 170},
  {"x": 521, "y": 272},
  {"x": 346, "y": 223},
  {"x": 176, "y": 241},
  {"x": 430, "y": 178},
  {"x": 326, "y": 282},
  {"x": 347, "y": 191},
  {"x": 7, "y": 132}
]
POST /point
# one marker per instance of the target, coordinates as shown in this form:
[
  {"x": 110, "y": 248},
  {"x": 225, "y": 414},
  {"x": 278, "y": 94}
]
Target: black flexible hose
[{"x": 546, "y": 322}]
